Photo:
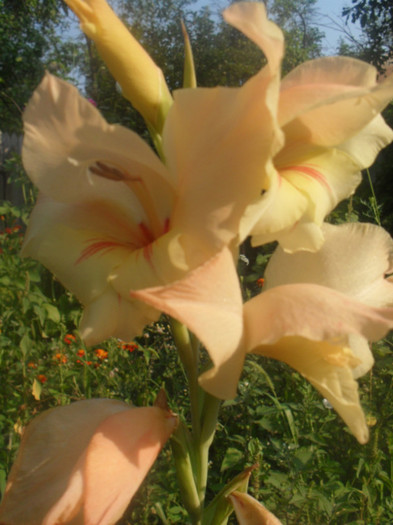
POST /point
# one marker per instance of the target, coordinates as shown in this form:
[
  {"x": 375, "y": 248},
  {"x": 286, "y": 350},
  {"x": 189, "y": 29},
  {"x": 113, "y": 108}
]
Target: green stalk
[{"x": 191, "y": 449}]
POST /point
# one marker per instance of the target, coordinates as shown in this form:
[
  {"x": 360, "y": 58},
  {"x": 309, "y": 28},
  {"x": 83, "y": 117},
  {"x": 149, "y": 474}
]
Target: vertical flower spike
[
  {"x": 250, "y": 512},
  {"x": 141, "y": 80},
  {"x": 82, "y": 463}
]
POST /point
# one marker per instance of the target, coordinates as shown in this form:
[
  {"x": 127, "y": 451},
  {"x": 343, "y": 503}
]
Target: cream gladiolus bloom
[
  {"x": 113, "y": 219},
  {"x": 328, "y": 113},
  {"x": 316, "y": 313},
  {"x": 82, "y": 463}
]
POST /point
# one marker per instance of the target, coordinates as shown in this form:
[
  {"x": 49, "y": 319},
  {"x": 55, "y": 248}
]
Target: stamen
[
  {"x": 138, "y": 187},
  {"x": 107, "y": 172}
]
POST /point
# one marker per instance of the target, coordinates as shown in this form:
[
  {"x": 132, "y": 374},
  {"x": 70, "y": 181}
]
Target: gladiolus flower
[
  {"x": 112, "y": 219},
  {"x": 250, "y": 512},
  {"x": 319, "y": 310},
  {"x": 83, "y": 463},
  {"x": 141, "y": 80},
  {"x": 328, "y": 113},
  {"x": 316, "y": 313}
]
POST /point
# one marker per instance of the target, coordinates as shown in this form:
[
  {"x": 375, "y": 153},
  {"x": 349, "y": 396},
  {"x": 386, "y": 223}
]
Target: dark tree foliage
[
  {"x": 376, "y": 20},
  {"x": 26, "y": 29}
]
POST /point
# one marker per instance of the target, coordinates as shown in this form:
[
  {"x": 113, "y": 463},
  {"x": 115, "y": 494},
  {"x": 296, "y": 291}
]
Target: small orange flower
[
  {"x": 101, "y": 353},
  {"x": 61, "y": 358},
  {"x": 31, "y": 365},
  {"x": 42, "y": 379},
  {"x": 260, "y": 282},
  {"x": 89, "y": 363},
  {"x": 69, "y": 339},
  {"x": 80, "y": 352},
  {"x": 129, "y": 346}
]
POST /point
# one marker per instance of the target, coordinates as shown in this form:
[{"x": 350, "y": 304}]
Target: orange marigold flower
[
  {"x": 101, "y": 353},
  {"x": 89, "y": 363},
  {"x": 61, "y": 358},
  {"x": 130, "y": 347},
  {"x": 80, "y": 352},
  {"x": 69, "y": 339},
  {"x": 31, "y": 365},
  {"x": 42, "y": 379},
  {"x": 260, "y": 282}
]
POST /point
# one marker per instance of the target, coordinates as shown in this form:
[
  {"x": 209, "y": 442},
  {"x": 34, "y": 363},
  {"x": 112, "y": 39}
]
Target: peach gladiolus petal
[
  {"x": 51, "y": 447},
  {"x": 121, "y": 452},
  {"x": 311, "y": 328},
  {"x": 353, "y": 260},
  {"x": 220, "y": 130},
  {"x": 64, "y": 137},
  {"x": 329, "y": 368},
  {"x": 329, "y": 100},
  {"x": 250, "y": 18},
  {"x": 208, "y": 301},
  {"x": 311, "y": 311},
  {"x": 250, "y": 512},
  {"x": 67, "y": 452}
]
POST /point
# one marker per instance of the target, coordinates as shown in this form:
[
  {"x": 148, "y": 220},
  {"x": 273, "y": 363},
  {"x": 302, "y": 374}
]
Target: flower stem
[{"x": 191, "y": 449}]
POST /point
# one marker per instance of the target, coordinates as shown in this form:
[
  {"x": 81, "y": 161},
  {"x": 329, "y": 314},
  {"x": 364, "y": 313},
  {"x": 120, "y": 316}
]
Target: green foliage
[
  {"x": 376, "y": 20},
  {"x": 28, "y": 41}
]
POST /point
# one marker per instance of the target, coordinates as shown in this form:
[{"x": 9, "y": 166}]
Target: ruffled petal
[
  {"x": 65, "y": 136},
  {"x": 208, "y": 301},
  {"x": 250, "y": 18},
  {"x": 311, "y": 311},
  {"x": 353, "y": 260},
  {"x": 329, "y": 100}
]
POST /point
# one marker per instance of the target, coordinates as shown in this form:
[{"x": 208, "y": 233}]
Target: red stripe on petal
[
  {"x": 311, "y": 172},
  {"x": 100, "y": 246}
]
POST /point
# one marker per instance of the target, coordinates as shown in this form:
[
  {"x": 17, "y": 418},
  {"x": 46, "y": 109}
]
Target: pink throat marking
[
  {"x": 102, "y": 246},
  {"x": 311, "y": 172},
  {"x": 98, "y": 246}
]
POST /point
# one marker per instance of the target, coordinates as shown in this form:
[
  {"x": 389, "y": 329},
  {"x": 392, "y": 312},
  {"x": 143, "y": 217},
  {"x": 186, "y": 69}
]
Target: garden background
[{"x": 310, "y": 468}]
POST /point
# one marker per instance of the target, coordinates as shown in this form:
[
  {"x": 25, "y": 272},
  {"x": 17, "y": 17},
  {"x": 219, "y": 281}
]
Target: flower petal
[
  {"x": 208, "y": 301},
  {"x": 228, "y": 161},
  {"x": 329, "y": 100},
  {"x": 250, "y": 512},
  {"x": 311, "y": 311},
  {"x": 51, "y": 447},
  {"x": 353, "y": 260},
  {"x": 65, "y": 136},
  {"x": 250, "y": 18},
  {"x": 121, "y": 452},
  {"x": 328, "y": 367}
]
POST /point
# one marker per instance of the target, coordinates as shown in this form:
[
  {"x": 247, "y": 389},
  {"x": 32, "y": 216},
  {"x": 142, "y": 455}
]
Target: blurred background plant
[{"x": 310, "y": 469}]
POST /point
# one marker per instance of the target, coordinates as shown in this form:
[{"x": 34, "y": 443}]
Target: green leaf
[{"x": 231, "y": 458}]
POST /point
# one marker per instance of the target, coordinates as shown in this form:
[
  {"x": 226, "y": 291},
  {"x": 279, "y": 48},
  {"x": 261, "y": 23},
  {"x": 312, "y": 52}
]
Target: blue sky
[{"x": 330, "y": 18}]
